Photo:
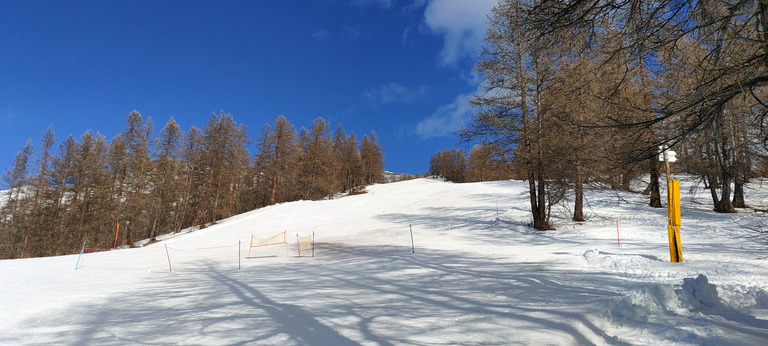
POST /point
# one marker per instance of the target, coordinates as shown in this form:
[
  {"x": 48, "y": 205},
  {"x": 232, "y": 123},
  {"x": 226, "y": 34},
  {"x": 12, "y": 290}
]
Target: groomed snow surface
[{"x": 479, "y": 275}]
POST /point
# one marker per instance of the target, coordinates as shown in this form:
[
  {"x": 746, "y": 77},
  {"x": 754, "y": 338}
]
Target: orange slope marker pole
[
  {"x": 170, "y": 269},
  {"x": 116, "y": 233}
]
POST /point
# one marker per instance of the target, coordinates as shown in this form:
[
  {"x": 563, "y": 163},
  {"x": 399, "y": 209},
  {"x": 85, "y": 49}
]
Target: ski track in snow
[{"x": 479, "y": 275}]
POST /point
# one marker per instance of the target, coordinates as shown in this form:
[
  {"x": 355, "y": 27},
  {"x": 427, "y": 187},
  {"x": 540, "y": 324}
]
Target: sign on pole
[{"x": 667, "y": 155}]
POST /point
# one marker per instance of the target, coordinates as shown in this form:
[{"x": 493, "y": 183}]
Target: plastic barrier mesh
[
  {"x": 306, "y": 245},
  {"x": 272, "y": 240},
  {"x": 147, "y": 258},
  {"x": 220, "y": 255},
  {"x": 273, "y": 249}
]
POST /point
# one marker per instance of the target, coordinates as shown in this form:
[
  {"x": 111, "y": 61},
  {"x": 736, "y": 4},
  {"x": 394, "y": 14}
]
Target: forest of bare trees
[
  {"x": 57, "y": 197},
  {"x": 581, "y": 91},
  {"x": 483, "y": 164}
]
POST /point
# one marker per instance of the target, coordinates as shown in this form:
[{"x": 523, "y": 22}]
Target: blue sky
[{"x": 403, "y": 69}]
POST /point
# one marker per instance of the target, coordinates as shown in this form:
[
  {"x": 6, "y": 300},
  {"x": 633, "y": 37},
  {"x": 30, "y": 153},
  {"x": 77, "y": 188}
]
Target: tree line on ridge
[{"x": 57, "y": 197}]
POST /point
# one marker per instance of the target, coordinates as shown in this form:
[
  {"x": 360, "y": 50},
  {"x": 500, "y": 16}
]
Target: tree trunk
[
  {"x": 762, "y": 16},
  {"x": 24, "y": 247},
  {"x": 724, "y": 204},
  {"x": 540, "y": 222},
  {"x": 532, "y": 196},
  {"x": 154, "y": 228},
  {"x": 274, "y": 190},
  {"x": 655, "y": 201},
  {"x": 625, "y": 180},
  {"x": 578, "y": 190},
  {"x": 129, "y": 236},
  {"x": 215, "y": 211},
  {"x": 738, "y": 195},
  {"x": 536, "y": 195}
]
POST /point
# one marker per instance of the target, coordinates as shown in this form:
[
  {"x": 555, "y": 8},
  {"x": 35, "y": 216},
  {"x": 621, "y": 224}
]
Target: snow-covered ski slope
[{"x": 478, "y": 276}]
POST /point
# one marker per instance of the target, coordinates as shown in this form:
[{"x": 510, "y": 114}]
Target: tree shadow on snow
[{"x": 432, "y": 297}]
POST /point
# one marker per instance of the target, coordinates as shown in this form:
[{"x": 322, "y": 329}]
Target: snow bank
[
  {"x": 695, "y": 295},
  {"x": 676, "y": 314}
]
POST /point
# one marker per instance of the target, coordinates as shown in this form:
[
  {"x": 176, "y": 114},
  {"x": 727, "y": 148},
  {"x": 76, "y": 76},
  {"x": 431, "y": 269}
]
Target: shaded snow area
[{"x": 479, "y": 275}]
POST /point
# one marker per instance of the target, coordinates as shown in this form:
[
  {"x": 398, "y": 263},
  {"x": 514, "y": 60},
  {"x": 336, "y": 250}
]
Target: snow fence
[{"x": 258, "y": 251}]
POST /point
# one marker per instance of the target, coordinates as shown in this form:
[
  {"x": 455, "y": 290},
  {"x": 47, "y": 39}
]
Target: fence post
[
  {"x": 81, "y": 255},
  {"x": 169, "y": 258},
  {"x": 413, "y": 249}
]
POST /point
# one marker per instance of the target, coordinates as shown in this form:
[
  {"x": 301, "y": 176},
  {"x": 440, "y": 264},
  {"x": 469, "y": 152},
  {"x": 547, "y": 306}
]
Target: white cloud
[
  {"x": 320, "y": 35},
  {"x": 394, "y": 92},
  {"x": 406, "y": 33},
  {"x": 353, "y": 32},
  {"x": 462, "y": 24},
  {"x": 447, "y": 119}
]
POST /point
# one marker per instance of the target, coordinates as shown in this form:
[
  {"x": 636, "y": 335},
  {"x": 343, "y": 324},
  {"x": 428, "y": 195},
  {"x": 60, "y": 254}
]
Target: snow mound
[
  {"x": 677, "y": 314},
  {"x": 638, "y": 305},
  {"x": 630, "y": 264},
  {"x": 695, "y": 295},
  {"x": 698, "y": 294}
]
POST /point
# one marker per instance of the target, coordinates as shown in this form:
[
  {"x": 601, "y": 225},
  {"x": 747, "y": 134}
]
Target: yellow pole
[
  {"x": 673, "y": 214},
  {"x": 675, "y": 247}
]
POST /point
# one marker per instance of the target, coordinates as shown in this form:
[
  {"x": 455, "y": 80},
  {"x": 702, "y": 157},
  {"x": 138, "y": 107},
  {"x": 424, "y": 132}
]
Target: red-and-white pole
[{"x": 618, "y": 241}]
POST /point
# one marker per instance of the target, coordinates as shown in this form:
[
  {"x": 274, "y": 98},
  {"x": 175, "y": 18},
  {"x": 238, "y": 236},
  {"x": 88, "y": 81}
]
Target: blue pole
[
  {"x": 413, "y": 249},
  {"x": 81, "y": 255}
]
